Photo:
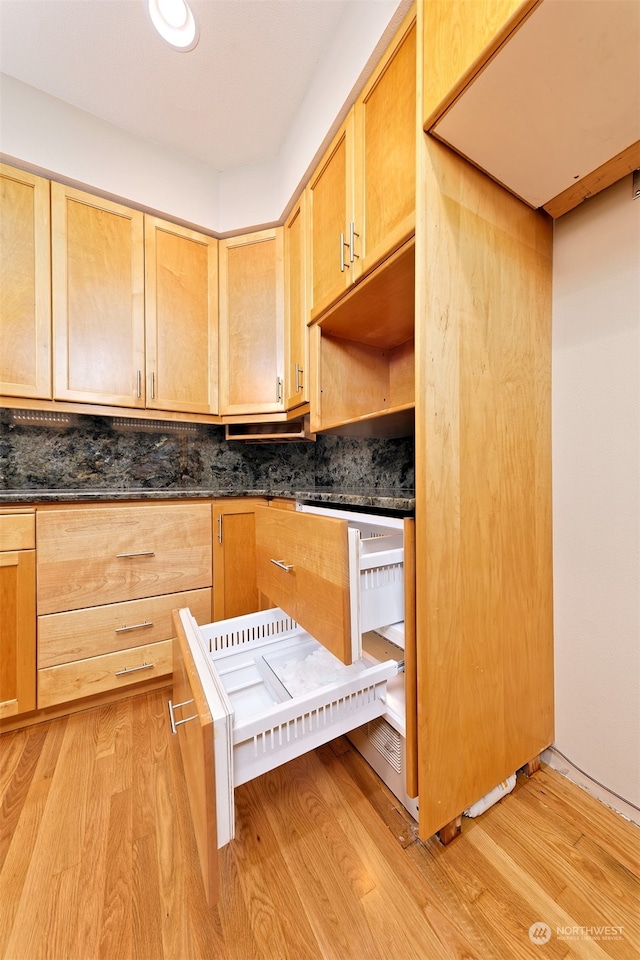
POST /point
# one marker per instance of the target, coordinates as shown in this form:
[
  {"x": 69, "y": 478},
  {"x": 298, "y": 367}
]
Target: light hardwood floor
[{"x": 97, "y": 859}]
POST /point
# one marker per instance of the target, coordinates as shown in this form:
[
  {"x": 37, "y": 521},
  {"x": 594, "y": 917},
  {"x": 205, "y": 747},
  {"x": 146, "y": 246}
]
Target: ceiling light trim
[{"x": 177, "y": 27}]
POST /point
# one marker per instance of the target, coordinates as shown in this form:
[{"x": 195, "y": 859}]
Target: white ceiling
[{"x": 228, "y": 103}]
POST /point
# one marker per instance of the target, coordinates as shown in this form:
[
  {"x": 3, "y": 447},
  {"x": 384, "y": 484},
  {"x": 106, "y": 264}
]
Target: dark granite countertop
[{"x": 402, "y": 501}]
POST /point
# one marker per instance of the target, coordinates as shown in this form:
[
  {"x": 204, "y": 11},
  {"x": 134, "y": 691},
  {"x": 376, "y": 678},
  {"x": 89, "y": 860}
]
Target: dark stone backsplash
[{"x": 90, "y": 452}]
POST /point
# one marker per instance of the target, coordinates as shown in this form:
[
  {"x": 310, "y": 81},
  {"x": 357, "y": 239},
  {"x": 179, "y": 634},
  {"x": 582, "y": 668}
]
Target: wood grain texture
[
  {"x": 251, "y": 322},
  {"x": 80, "y": 562},
  {"x": 610, "y": 172},
  {"x": 17, "y": 632},
  {"x": 98, "y": 858},
  {"x": 483, "y": 487},
  {"x": 235, "y": 590},
  {"x": 64, "y": 637},
  {"x": 195, "y": 739},
  {"x": 296, "y": 310},
  {"x": 18, "y": 531},
  {"x": 459, "y": 37},
  {"x": 315, "y": 592},
  {"x": 330, "y": 209},
  {"x": 25, "y": 284},
  {"x": 110, "y": 671},
  {"x": 98, "y": 298},
  {"x": 181, "y": 318},
  {"x": 385, "y": 152}
]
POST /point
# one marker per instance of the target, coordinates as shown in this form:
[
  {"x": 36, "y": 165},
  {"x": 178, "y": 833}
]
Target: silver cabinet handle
[
  {"x": 278, "y": 389},
  {"x": 172, "y": 720},
  {"x": 153, "y": 385},
  {"x": 143, "y": 553},
  {"x": 299, "y": 370},
  {"x": 138, "y": 384},
  {"x": 220, "y": 528},
  {"x": 283, "y": 566},
  {"x": 343, "y": 244},
  {"x": 352, "y": 245},
  {"x": 143, "y": 666},
  {"x": 134, "y": 626}
]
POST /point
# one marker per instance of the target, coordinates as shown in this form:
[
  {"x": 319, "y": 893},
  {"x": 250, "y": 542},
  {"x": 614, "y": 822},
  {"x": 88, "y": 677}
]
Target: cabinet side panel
[{"x": 483, "y": 487}]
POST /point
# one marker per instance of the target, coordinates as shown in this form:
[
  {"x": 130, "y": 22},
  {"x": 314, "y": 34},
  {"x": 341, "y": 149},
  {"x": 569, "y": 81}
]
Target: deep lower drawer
[
  {"x": 113, "y": 671},
  {"x": 80, "y": 634}
]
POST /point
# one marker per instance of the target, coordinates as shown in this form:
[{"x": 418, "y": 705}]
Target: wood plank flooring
[{"x": 97, "y": 860}]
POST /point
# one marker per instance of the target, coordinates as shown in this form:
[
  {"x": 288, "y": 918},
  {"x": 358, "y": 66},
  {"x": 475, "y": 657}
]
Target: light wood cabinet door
[
  {"x": 296, "y": 313},
  {"x": 25, "y": 285},
  {"x": 310, "y": 579},
  {"x": 181, "y": 314},
  {"x": 330, "y": 211},
  {"x": 235, "y": 585},
  {"x": 195, "y": 731},
  {"x": 98, "y": 299},
  {"x": 17, "y": 615},
  {"x": 385, "y": 153},
  {"x": 252, "y": 323}
]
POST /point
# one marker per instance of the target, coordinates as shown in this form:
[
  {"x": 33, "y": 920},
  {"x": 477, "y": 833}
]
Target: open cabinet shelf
[{"x": 363, "y": 355}]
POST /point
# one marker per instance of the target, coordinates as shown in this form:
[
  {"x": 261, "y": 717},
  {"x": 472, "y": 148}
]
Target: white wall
[
  {"x": 65, "y": 142},
  {"x": 596, "y": 475},
  {"x": 51, "y": 136}
]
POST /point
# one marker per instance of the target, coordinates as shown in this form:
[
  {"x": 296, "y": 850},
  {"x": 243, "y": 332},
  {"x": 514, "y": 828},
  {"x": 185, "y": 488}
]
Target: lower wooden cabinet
[
  {"x": 235, "y": 590},
  {"x": 86, "y": 652},
  {"x": 108, "y": 578},
  {"x": 113, "y": 671},
  {"x": 17, "y": 614}
]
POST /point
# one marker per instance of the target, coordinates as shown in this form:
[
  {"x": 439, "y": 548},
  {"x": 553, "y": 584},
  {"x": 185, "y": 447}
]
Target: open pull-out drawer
[
  {"x": 338, "y": 574},
  {"x": 250, "y": 694}
]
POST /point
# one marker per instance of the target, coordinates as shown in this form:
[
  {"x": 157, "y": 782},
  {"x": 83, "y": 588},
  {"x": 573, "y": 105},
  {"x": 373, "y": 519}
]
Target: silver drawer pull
[
  {"x": 283, "y": 566},
  {"x": 143, "y": 666},
  {"x": 143, "y": 553},
  {"x": 172, "y": 720},
  {"x": 134, "y": 626}
]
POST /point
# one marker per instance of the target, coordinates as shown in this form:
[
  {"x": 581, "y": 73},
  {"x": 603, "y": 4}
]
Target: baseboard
[{"x": 563, "y": 766}]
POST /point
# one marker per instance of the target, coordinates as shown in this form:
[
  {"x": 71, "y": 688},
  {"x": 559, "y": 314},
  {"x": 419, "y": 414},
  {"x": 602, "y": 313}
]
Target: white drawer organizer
[{"x": 262, "y": 686}]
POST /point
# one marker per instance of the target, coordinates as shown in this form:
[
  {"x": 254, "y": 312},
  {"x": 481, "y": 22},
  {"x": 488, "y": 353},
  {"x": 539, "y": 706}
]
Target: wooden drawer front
[
  {"x": 89, "y": 557},
  {"x": 315, "y": 591},
  {"x": 18, "y": 531},
  {"x": 65, "y": 637},
  {"x": 84, "y": 678}
]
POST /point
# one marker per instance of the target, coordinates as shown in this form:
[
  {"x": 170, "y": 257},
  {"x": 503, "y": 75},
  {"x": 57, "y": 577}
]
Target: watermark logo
[{"x": 539, "y": 932}]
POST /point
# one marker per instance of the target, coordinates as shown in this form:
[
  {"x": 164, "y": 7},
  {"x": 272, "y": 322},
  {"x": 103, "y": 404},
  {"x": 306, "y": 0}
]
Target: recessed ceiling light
[{"x": 175, "y": 23}]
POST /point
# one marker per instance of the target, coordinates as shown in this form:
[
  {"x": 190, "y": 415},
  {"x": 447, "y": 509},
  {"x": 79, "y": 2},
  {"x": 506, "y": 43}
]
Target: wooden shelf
[{"x": 380, "y": 309}]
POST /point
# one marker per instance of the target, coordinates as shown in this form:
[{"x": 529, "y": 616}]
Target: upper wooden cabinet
[
  {"x": 130, "y": 329},
  {"x": 181, "y": 314},
  {"x": 252, "y": 323},
  {"x": 295, "y": 307},
  {"x": 98, "y": 299},
  {"x": 385, "y": 156},
  {"x": 25, "y": 285},
  {"x": 543, "y": 96},
  {"x": 330, "y": 213},
  {"x": 361, "y": 199}
]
